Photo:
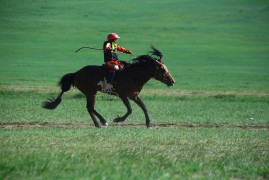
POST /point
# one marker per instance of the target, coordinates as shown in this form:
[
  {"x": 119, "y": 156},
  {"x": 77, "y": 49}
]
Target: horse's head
[{"x": 162, "y": 74}]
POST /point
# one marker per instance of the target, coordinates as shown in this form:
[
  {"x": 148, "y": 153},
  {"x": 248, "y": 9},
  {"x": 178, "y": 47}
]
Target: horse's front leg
[
  {"x": 93, "y": 112},
  {"x": 126, "y": 102},
  {"x": 138, "y": 101}
]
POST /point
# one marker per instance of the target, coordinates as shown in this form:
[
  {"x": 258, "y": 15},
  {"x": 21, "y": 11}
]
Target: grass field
[{"x": 212, "y": 124}]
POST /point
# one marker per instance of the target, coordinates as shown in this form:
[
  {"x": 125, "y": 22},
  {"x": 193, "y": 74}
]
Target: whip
[
  {"x": 88, "y": 48},
  {"x": 97, "y": 49}
]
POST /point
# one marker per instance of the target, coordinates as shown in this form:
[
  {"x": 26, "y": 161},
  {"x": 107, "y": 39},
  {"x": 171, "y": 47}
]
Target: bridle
[{"x": 159, "y": 64}]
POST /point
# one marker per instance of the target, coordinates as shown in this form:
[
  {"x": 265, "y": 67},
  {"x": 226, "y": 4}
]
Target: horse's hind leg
[
  {"x": 100, "y": 117},
  {"x": 90, "y": 108},
  {"x": 102, "y": 120},
  {"x": 93, "y": 112}
]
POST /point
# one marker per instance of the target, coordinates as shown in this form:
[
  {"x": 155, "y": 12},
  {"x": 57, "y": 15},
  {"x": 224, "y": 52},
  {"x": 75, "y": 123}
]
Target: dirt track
[
  {"x": 16, "y": 125},
  {"x": 144, "y": 92}
]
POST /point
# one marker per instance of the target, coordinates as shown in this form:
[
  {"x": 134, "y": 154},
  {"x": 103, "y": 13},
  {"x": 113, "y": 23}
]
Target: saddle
[{"x": 123, "y": 65}]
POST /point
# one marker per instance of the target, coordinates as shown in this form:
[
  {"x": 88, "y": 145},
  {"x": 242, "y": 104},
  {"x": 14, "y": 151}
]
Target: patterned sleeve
[{"x": 121, "y": 49}]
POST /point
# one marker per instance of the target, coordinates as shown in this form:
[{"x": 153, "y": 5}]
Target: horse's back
[
  {"x": 89, "y": 75},
  {"x": 93, "y": 69}
]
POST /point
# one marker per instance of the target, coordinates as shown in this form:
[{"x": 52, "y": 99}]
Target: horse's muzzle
[{"x": 169, "y": 80}]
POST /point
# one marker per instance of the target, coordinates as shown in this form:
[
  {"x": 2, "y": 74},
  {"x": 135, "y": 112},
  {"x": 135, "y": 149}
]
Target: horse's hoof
[
  {"x": 149, "y": 126},
  {"x": 117, "y": 119},
  {"x": 98, "y": 126},
  {"x": 104, "y": 123}
]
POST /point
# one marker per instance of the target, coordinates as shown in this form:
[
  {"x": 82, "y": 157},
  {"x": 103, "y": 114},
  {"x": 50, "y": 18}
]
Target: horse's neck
[{"x": 142, "y": 75}]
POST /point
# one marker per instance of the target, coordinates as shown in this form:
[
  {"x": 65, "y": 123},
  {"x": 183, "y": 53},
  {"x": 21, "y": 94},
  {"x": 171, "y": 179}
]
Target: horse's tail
[{"x": 65, "y": 84}]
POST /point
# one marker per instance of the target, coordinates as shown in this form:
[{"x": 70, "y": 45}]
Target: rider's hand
[{"x": 127, "y": 51}]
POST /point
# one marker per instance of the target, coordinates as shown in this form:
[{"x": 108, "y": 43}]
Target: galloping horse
[{"x": 128, "y": 84}]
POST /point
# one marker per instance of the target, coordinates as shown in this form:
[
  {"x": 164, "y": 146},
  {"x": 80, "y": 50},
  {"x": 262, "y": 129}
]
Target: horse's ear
[{"x": 155, "y": 52}]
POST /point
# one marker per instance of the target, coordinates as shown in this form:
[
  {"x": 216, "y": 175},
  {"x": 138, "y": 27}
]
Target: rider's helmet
[{"x": 112, "y": 36}]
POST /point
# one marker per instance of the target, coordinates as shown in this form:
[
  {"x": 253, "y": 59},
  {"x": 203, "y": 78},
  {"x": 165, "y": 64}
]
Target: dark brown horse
[{"x": 128, "y": 84}]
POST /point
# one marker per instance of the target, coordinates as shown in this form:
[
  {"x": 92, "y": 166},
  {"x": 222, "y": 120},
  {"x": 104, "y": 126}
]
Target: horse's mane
[
  {"x": 149, "y": 57},
  {"x": 141, "y": 60}
]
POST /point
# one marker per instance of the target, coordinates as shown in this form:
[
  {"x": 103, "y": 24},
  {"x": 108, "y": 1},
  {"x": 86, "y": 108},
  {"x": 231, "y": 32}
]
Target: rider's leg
[
  {"x": 113, "y": 66},
  {"x": 111, "y": 77}
]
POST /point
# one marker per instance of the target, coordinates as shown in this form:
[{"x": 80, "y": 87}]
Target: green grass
[
  {"x": 221, "y": 109},
  {"x": 213, "y": 124},
  {"x": 134, "y": 153},
  {"x": 209, "y": 45},
  {"x": 194, "y": 137}
]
